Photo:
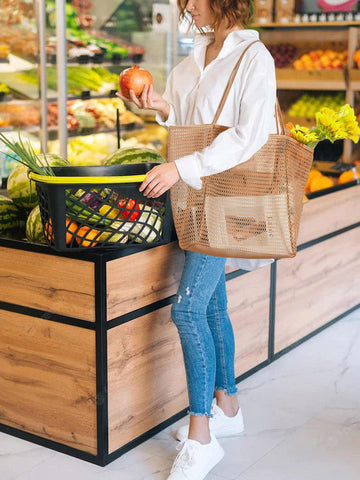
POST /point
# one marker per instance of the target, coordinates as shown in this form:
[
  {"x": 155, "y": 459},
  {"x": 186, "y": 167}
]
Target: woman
[{"x": 193, "y": 92}]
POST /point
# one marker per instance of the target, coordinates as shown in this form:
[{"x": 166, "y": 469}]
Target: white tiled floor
[{"x": 302, "y": 420}]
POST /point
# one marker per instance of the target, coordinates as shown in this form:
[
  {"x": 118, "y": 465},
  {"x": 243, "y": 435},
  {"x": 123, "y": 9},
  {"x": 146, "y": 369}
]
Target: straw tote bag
[{"x": 251, "y": 210}]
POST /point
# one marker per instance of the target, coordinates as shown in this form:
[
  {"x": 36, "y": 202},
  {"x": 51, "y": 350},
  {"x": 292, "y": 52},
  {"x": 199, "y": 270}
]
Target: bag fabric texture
[{"x": 252, "y": 210}]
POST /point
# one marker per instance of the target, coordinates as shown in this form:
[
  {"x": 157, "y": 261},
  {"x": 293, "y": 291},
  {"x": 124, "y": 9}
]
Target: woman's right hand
[{"x": 149, "y": 100}]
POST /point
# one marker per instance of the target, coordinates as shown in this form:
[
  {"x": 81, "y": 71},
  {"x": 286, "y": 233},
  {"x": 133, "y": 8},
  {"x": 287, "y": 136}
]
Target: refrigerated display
[{"x": 101, "y": 41}]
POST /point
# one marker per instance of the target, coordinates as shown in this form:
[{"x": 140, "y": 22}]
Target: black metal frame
[{"x": 101, "y": 326}]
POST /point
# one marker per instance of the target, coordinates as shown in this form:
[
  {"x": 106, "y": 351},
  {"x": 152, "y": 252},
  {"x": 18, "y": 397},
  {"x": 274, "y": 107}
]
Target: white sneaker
[
  {"x": 220, "y": 424},
  {"x": 195, "y": 460}
]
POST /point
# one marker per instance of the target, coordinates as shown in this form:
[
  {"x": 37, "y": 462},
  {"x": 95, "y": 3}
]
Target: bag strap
[{"x": 278, "y": 115}]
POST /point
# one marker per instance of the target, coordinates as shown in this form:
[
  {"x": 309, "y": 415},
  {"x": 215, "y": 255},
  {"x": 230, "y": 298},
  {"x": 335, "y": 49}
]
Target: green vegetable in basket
[
  {"x": 111, "y": 236},
  {"x": 148, "y": 226},
  {"x": 83, "y": 212}
]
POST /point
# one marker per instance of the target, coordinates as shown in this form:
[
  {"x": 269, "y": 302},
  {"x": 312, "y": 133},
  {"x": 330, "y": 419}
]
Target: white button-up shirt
[{"x": 194, "y": 92}]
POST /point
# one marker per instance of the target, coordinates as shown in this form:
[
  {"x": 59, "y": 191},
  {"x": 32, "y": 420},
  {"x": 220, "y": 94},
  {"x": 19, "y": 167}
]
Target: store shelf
[
  {"x": 53, "y": 130},
  {"x": 15, "y": 64},
  {"x": 327, "y": 79},
  {"x": 94, "y": 65},
  {"x": 305, "y": 24},
  {"x": 354, "y": 79}
]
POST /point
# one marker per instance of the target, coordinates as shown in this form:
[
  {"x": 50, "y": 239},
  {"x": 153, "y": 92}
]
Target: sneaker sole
[
  {"x": 216, "y": 460},
  {"x": 217, "y": 435}
]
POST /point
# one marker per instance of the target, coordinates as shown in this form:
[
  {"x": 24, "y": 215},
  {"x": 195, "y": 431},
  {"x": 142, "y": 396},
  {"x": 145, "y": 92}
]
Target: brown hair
[{"x": 236, "y": 12}]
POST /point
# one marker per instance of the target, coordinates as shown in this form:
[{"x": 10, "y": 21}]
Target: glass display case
[{"x": 65, "y": 100}]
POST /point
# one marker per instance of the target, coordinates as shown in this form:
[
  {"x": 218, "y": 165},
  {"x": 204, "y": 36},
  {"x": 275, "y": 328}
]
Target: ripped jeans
[{"x": 206, "y": 334}]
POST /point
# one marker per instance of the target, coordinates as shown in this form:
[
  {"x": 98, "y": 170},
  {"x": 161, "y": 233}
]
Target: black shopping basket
[{"x": 101, "y": 206}]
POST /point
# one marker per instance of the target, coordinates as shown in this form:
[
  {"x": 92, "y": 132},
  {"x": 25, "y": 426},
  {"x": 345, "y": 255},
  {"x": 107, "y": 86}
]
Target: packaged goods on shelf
[
  {"x": 284, "y": 11},
  {"x": 20, "y": 40},
  {"x": 20, "y": 115},
  {"x": 263, "y": 11},
  {"x": 14, "y": 12}
]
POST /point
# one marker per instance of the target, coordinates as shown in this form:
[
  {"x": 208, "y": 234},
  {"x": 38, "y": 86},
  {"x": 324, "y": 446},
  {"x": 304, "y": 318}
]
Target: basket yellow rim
[{"x": 87, "y": 180}]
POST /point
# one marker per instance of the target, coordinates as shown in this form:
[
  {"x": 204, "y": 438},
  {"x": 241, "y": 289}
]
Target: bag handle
[{"x": 278, "y": 115}]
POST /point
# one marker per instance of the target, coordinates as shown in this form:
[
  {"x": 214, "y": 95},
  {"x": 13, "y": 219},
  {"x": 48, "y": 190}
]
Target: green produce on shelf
[
  {"x": 12, "y": 219},
  {"x": 34, "y": 227},
  {"x": 71, "y": 15},
  {"x": 97, "y": 79},
  {"x": 307, "y": 105},
  {"x": 4, "y": 88},
  {"x": 109, "y": 47}
]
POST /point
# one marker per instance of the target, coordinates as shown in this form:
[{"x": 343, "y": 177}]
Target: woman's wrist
[{"x": 164, "y": 112}]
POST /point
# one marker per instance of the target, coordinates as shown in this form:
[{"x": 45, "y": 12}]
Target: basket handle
[
  {"x": 278, "y": 115},
  {"x": 279, "y": 118}
]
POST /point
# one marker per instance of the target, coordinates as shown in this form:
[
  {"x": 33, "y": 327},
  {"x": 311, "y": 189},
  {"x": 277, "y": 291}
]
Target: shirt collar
[{"x": 234, "y": 38}]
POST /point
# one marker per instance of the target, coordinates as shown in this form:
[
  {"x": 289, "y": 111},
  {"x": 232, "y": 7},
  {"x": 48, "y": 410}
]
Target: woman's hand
[
  {"x": 149, "y": 100},
  {"x": 159, "y": 179}
]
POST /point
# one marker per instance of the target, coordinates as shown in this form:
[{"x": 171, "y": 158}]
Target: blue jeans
[{"x": 206, "y": 334}]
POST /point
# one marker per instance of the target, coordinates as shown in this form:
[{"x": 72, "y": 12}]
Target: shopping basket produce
[{"x": 101, "y": 207}]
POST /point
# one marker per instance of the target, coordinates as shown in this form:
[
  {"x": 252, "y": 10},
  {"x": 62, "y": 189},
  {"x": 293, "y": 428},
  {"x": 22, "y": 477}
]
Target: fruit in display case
[
  {"x": 307, "y": 105},
  {"x": 320, "y": 182},
  {"x": 134, "y": 78},
  {"x": 357, "y": 58},
  {"x": 4, "y": 53},
  {"x": 283, "y": 54},
  {"x": 312, "y": 174},
  {"x": 348, "y": 176},
  {"x": 321, "y": 59},
  {"x": 12, "y": 219}
]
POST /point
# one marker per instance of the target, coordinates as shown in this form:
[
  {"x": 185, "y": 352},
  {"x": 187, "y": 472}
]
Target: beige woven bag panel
[{"x": 252, "y": 210}]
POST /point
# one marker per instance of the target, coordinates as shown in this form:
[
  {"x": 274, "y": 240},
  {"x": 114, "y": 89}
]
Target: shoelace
[{"x": 185, "y": 457}]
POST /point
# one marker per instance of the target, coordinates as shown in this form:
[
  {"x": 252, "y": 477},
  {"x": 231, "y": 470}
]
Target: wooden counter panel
[
  {"x": 146, "y": 376},
  {"x": 329, "y": 213},
  {"x": 248, "y": 306},
  {"x": 46, "y": 282},
  {"x": 320, "y": 283},
  {"x": 48, "y": 380},
  {"x": 143, "y": 278}
]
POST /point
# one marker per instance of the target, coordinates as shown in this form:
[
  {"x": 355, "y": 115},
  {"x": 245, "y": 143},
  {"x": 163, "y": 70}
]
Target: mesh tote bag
[{"x": 251, "y": 210}]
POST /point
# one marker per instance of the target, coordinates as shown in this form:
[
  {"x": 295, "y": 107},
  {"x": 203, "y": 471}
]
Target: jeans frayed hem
[
  {"x": 200, "y": 414},
  {"x": 227, "y": 391}
]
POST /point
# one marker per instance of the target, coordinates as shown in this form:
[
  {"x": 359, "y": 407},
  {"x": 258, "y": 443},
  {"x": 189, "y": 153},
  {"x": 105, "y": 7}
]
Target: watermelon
[
  {"x": 19, "y": 187},
  {"x": 12, "y": 219},
  {"x": 133, "y": 155},
  {"x": 34, "y": 228}
]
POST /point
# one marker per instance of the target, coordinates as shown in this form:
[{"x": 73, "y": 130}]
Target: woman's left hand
[{"x": 159, "y": 179}]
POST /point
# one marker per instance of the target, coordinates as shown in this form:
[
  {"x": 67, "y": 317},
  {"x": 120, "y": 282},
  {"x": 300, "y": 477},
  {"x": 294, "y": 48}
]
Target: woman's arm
[{"x": 237, "y": 144}]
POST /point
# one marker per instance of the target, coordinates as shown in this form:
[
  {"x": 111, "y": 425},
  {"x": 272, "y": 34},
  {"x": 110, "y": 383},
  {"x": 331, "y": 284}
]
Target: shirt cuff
[
  {"x": 189, "y": 170},
  {"x": 171, "y": 120}
]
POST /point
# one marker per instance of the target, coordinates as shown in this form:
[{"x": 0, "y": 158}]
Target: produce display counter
[{"x": 90, "y": 361}]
